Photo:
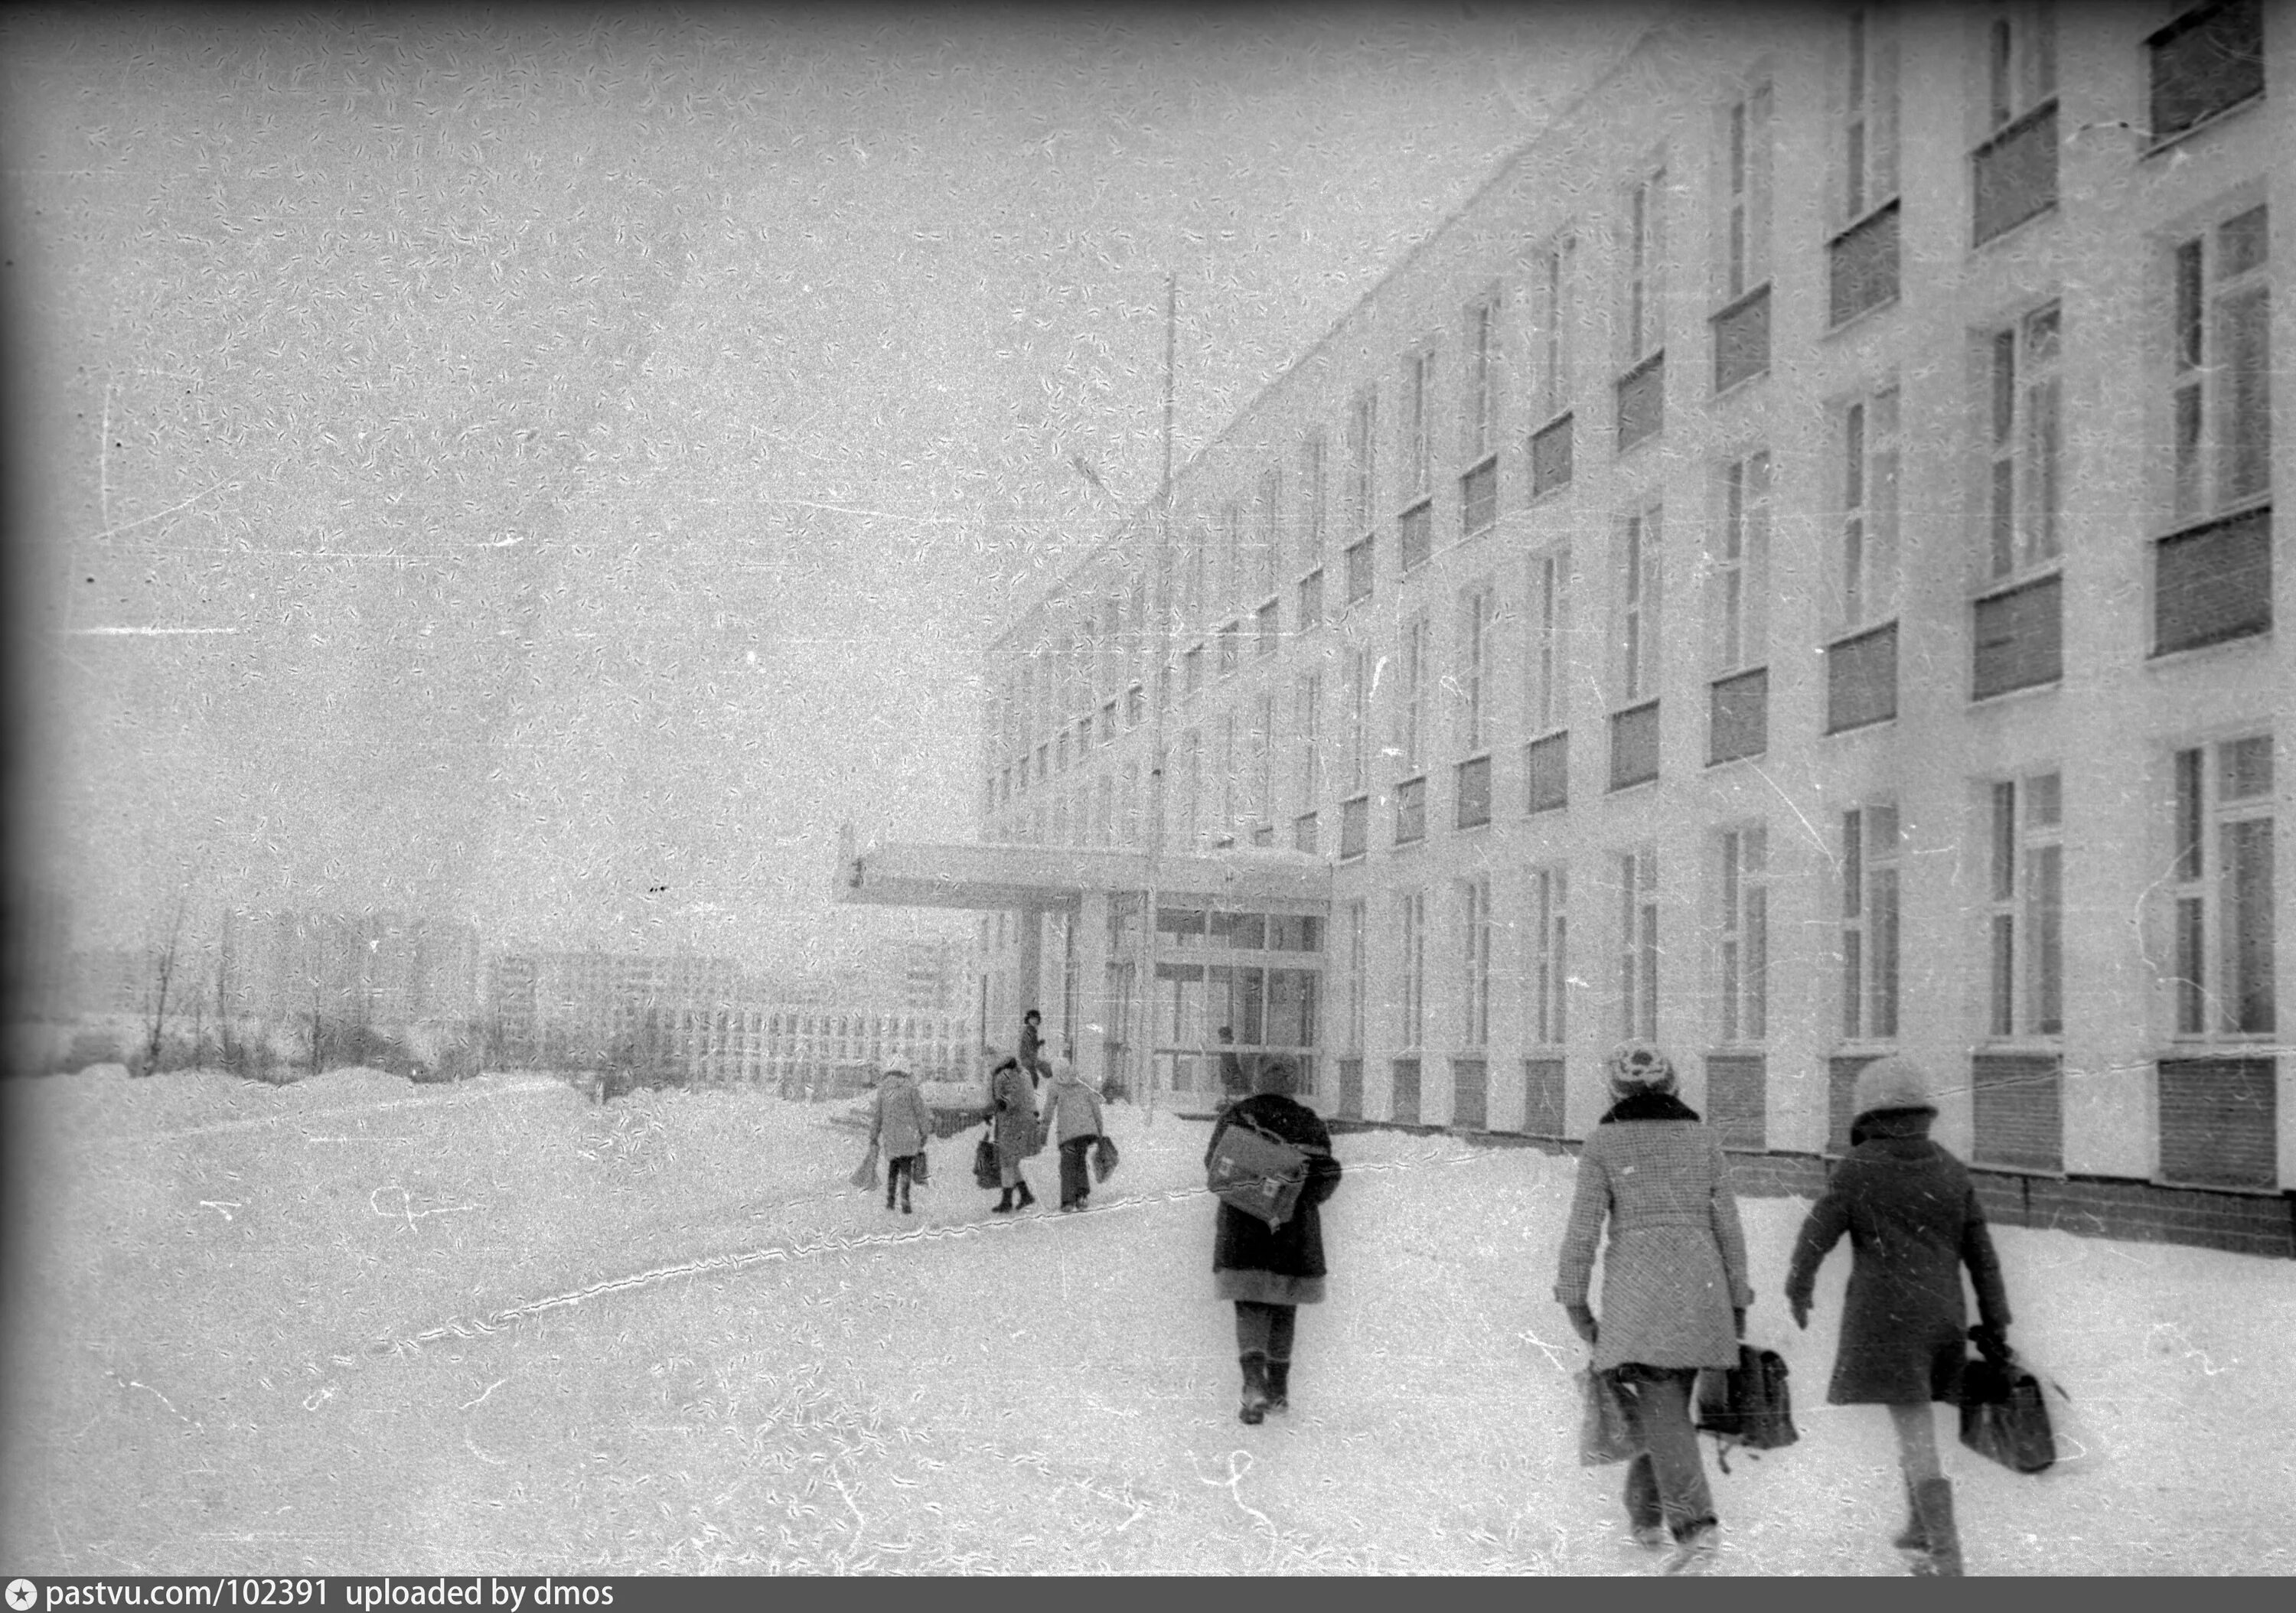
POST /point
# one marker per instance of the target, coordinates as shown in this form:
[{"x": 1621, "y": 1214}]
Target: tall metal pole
[{"x": 1158, "y": 693}]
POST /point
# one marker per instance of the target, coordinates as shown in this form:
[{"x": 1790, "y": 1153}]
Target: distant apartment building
[
  {"x": 1790, "y": 570},
  {"x": 378, "y": 968},
  {"x": 714, "y": 1023}
]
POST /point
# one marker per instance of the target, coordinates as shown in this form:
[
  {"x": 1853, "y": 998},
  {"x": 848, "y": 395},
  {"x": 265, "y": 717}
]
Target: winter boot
[
  {"x": 1913, "y": 1537},
  {"x": 1003, "y": 1205},
  {"x": 1027, "y": 1198},
  {"x": 1254, "y": 1409},
  {"x": 1934, "y": 1504},
  {"x": 1279, "y": 1386},
  {"x": 1695, "y": 1550}
]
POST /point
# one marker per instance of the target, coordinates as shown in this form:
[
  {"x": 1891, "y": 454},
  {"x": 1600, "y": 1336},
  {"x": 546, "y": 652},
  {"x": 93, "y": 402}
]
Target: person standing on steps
[
  {"x": 1072, "y": 1115},
  {"x": 1269, "y": 1272},
  {"x": 1913, "y": 1223},
  {"x": 1012, "y": 1123},
  {"x": 1235, "y": 1075},
  {"x": 900, "y": 1124},
  {"x": 1674, "y": 1288},
  {"x": 1032, "y": 1042}
]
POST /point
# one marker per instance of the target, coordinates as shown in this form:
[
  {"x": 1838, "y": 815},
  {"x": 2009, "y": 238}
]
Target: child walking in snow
[
  {"x": 1073, "y": 1118},
  {"x": 1674, "y": 1288},
  {"x": 1913, "y": 1223},
  {"x": 900, "y": 1124},
  {"x": 1012, "y": 1123}
]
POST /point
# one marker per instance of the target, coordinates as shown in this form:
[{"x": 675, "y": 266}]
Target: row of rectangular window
[
  {"x": 2204, "y": 64},
  {"x": 2222, "y": 915},
  {"x": 2218, "y": 1121}
]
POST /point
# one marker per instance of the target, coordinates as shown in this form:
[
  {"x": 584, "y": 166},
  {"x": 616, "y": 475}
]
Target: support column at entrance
[
  {"x": 1028, "y": 977},
  {"x": 1095, "y": 1006}
]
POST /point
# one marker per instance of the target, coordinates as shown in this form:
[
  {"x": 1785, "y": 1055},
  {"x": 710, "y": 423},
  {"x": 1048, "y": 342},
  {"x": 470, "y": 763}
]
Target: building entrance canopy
[
  {"x": 1234, "y": 960},
  {"x": 990, "y": 879}
]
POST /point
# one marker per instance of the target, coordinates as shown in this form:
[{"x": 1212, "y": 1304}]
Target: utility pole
[{"x": 1159, "y": 692}]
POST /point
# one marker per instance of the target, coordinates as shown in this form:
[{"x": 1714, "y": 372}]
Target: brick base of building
[{"x": 2092, "y": 1207}]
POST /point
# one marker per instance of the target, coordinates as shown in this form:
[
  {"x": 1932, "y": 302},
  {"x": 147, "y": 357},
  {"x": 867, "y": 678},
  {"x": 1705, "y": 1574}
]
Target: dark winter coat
[
  {"x": 1031, "y": 1045},
  {"x": 1676, "y": 1267},
  {"x": 901, "y": 1122},
  {"x": 1282, "y": 1264},
  {"x": 1913, "y": 1223},
  {"x": 1014, "y": 1100}
]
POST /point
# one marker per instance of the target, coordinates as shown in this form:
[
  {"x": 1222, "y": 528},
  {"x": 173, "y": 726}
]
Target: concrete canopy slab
[{"x": 993, "y": 878}]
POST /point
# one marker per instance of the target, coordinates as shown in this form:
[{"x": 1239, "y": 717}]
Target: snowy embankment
[{"x": 356, "y": 1326}]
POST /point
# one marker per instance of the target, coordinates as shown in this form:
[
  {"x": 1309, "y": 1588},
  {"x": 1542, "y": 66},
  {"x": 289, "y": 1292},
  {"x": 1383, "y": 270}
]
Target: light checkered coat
[{"x": 1677, "y": 1261}]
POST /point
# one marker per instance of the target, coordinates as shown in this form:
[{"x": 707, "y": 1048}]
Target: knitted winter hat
[
  {"x": 1889, "y": 1084},
  {"x": 1637, "y": 1066}
]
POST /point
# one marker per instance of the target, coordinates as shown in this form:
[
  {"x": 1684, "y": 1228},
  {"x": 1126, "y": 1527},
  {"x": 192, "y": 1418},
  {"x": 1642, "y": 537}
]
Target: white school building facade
[{"x": 1789, "y": 570}]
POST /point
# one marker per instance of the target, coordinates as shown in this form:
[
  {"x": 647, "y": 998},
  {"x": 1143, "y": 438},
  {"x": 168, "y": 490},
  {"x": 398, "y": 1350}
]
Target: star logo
[{"x": 22, "y": 1595}]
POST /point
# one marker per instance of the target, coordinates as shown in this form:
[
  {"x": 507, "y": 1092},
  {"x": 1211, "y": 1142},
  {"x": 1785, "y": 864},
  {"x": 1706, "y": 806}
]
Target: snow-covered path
[{"x": 497, "y": 1329}]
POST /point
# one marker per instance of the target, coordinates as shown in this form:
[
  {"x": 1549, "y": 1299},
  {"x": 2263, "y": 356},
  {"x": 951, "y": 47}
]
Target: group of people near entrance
[
  {"x": 1674, "y": 1293},
  {"x": 1020, "y": 1124},
  {"x": 1673, "y": 1285}
]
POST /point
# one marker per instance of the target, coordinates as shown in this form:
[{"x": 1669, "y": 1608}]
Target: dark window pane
[
  {"x": 1861, "y": 680},
  {"x": 2247, "y": 919},
  {"x": 1469, "y": 1089},
  {"x": 1417, "y": 534},
  {"x": 1641, "y": 401},
  {"x": 2219, "y": 1122},
  {"x": 1474, "y": 792},
  {"x": 1738, "y": 715},
  {"x": 1547, "y": 763},
  {"x": 2020, "y": 639},
  {"x": 1354, "y": 824},
  {"x": 1478, "y": 496},
  {"x": 2213, "y": 583},
  {"x": 1862, "y": 263},
  {"x": 1634, "y": 745},
  {"x": 1542, "y": 1097},
  {"x": 1359, "y": 572},
  {"x": 1549, "y": 458},
  {"x": 2014, "y": 174},
  {"x": 1737, "y": 1099},
  {"x": 1411, "y": 811},
  {"x": 1350, "y": 1089},
  {"x": 2018, "y": 1110},
  {"x": 1742, "y": 340},
  {"x": 2210, "y": 59},
  {"x": 1404, "y": 1110},
  {"x": 1311, "y": 599},
  {"x": 1303, "y": 832},
  {"x": 1840, "y": 1097}
]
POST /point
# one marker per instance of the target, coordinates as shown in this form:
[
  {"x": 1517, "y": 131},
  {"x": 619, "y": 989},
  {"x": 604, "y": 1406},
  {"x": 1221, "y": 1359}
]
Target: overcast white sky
[{"x": 499, "y": 470}]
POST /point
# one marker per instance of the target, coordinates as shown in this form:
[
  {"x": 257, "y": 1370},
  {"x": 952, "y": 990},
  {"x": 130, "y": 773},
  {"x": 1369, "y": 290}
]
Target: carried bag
[
  {"x": 985, "y": 1172},
  {"x": 1103, "y": 1157},
  {"x": 1606, "y": 1423},
  {"x": 864, "y": 1174},
  {"x": 917, "y": 1167},
  {"x": 1747, "y": 1407},
  {"x": 1257, "y": 1172},
  {"x": 2004, "y": 1415}
]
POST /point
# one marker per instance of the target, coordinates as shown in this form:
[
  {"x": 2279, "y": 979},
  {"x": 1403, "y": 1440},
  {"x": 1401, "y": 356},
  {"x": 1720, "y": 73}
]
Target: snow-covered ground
[{"x": 356, "y": 1326}]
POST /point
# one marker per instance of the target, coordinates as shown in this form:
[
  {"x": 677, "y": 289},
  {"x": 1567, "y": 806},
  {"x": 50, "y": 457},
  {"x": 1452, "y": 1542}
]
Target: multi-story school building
[{"x": 1788, "y": 570}]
